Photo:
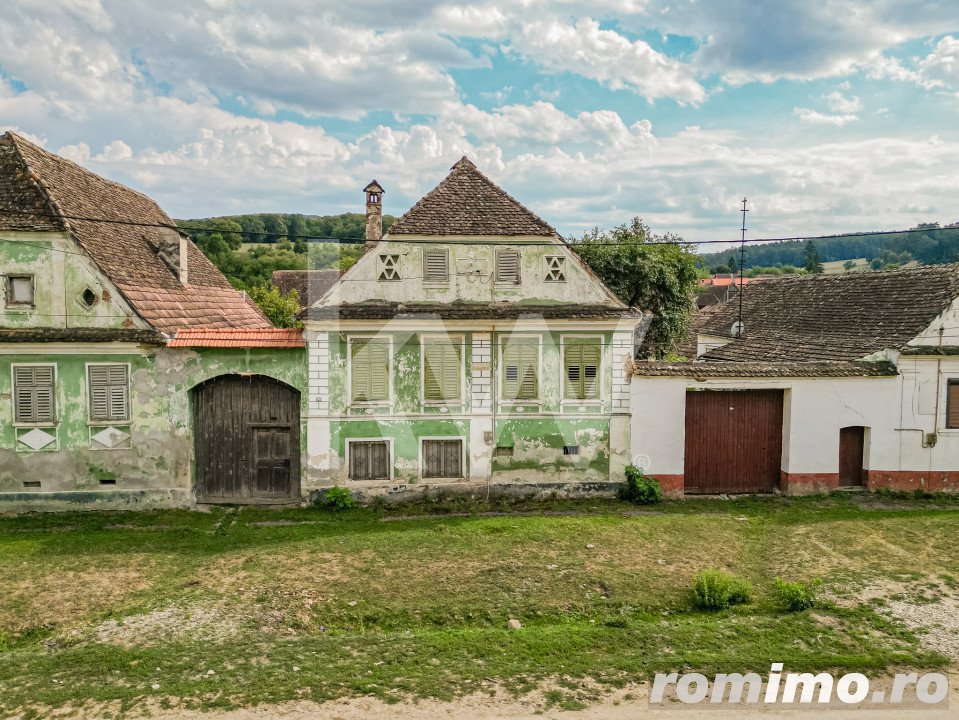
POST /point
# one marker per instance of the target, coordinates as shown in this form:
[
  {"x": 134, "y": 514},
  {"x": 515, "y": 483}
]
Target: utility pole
[{"x": 742, "y": 263}]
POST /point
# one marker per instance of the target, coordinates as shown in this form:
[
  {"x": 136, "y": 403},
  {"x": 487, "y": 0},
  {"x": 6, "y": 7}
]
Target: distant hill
[
  {"x": 934, "y": 244},
  {"x": 248, "y": 248}
]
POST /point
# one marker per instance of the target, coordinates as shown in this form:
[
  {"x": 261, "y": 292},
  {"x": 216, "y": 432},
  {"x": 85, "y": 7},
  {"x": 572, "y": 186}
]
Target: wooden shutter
[
  {"x": 952, "y": 403},
  {"x": 369, "y": 370},
  {"x": 520, "y": 360},
  {"x": 369, "y": 460},
  {"x": 442, "y": 371},
  {"x": 436, "y": 266},
  {"x": 33, "y": 390},
  {"x": 581, "y": 362},
  {"x": 109, "y": 393},
  {"x": 442, "y": 458},
  {"x": 507, "y": 266}
]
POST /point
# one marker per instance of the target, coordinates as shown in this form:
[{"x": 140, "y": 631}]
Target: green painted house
[
  {"x": 130, "y": 371},
  {"x": 468, "y": 348}
]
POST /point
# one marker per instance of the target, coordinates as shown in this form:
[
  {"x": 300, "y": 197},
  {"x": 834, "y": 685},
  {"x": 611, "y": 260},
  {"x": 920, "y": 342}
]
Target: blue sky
[{"x": 832, "y": 116}]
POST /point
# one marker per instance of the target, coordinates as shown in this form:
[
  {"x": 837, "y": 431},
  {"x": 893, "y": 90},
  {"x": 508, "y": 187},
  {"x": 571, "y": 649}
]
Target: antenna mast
[{"x": 742, "y": 263}]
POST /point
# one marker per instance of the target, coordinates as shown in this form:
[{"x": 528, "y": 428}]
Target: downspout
[{"x": 493, "y": 395}]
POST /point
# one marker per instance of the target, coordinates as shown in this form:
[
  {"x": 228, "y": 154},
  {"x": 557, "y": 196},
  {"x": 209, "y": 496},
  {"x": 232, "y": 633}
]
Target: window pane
[{"x": 21, "y": 290}]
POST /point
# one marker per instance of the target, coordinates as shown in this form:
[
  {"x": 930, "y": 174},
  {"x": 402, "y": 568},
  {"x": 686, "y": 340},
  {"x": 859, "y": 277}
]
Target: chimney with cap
[
  {"x": 374, "y": 214},
  {"x": 172, "y": 250}
]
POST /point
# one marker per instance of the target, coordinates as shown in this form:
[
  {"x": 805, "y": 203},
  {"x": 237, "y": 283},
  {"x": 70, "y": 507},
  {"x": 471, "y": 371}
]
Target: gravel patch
[{"x": 166, "y": 625}]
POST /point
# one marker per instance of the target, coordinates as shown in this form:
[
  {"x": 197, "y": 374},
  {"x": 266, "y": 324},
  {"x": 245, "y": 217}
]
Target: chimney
[
  {"x": 374, "y": 214},
  {"x": 173, "y": 251}
]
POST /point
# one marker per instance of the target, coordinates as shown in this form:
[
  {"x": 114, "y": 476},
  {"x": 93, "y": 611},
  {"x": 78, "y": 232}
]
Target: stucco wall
[{"x": 155, "y": 466}]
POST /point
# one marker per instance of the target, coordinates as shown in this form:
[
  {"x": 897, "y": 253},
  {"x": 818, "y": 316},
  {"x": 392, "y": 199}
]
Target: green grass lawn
[{"x": 238, "y": 607}]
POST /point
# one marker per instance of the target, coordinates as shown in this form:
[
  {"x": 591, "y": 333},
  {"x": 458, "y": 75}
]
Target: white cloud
[
  {"x": 818, "y": 118},
  {"x": 843, "y": 105},
  {"x": 608, "y": 57}
]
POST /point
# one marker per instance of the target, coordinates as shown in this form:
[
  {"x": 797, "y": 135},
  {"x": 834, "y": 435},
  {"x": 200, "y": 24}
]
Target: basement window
[
  {"x": 570, "y": 449},
  {"x": 503, "y": 451}
]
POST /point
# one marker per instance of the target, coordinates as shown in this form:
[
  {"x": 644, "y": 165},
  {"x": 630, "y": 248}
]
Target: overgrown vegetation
[
  {"x": 716, "y": 590},
  {"x": 339, "y": 498},
  {"x": 639, "y": 489},
  {"x": 644, "y": 274},
  {"x": 797, "y": 596},
  {"x": 131, "y": 608}
]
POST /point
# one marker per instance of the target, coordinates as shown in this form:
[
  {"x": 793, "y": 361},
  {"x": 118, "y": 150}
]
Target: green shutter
[
  {"x": 33, "y": 388},
  {"x": 442, "y": 371},
  {"x": 520, "y": 359},
  {"x": 108, "y": 386},
  {"x": 581, "y": 377},
  {"x": 369, "y": 370}
]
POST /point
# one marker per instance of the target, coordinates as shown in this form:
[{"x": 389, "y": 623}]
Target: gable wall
[{"x": 61, "y": 273}]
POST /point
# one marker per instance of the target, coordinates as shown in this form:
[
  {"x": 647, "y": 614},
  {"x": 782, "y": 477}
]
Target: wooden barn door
[
  {"x": 733, "y": 441},
  {"x": 852, "y": 445},
  {"x": 247, "y": 440}
]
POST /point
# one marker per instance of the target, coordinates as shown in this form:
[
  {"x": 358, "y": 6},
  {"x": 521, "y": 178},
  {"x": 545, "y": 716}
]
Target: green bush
[
  {"x": 339, "y": 498},
  {"x": 717, "y": 590},
  {"x": 640, "y": 489},
  {"x": 797, "y": 596}
]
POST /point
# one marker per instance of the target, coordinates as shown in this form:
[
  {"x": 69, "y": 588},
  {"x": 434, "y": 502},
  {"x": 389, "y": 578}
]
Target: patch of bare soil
[
  {"x": 168, "y": 625},
  {"x": 929, "y": 607},
  {"x": 62, "y": 594}
]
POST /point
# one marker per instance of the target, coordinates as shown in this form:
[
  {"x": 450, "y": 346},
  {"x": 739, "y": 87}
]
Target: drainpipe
[{"x": 493, "y": 394}]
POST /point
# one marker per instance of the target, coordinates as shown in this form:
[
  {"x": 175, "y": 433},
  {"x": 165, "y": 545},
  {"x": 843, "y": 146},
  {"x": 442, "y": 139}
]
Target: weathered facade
[
  {"x": 468, "y": 348},
  {"x": 864, "y": 369},
  {"x": 96, "y": 395}
]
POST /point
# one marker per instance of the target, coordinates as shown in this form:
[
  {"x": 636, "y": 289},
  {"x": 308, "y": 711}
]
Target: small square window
[
  {"x": 389, "y": 267},
  {"x": 20, "y": 290},
  {"x": 555, "y": 269}
]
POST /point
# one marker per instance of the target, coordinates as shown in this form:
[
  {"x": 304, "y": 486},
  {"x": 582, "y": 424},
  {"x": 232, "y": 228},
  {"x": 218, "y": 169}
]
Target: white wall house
[{"x": 836, "y": 381}]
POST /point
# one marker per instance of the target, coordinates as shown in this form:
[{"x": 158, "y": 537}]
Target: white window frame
[
  {"x": 547, "y": 269},
  {"x": 500, "y": 369},
  {"x": 349, "y": 372},
  {"x": 450, "y": 340},
  {"x": 56, "y": 395},
  {"x": 86, "y": 379},
  {"x": 349, "y": 456},
  {"x": 600, "y": 375},
  {"x": 441, "y": 283},
  {"x": 422, "y": 467}
]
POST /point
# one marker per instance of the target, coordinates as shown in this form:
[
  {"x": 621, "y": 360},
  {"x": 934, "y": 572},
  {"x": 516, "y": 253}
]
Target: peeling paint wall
[{"x": 155, "y": 465}]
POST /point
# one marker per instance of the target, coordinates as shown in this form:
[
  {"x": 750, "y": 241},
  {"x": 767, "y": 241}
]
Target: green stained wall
[
  {"x": 528, "y": 447},
  {"x": 158, "y": 457}
]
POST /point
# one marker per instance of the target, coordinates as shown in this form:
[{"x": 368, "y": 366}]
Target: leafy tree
[
  {"x": 659, "y": 278},
  {"x": 813, "y": 261},
  {"x": 722, "y": 270},
  {"x": 849, "y": 265},
  {"x": 733, "y": 264},
  {"x": 280, "y": 309}
]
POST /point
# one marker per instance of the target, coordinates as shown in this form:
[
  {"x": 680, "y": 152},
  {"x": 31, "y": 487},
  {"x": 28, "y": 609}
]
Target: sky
[{"x": 832, "y": 116}]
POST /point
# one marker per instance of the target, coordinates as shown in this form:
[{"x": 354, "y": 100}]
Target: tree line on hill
[{"x": 930, "y": 244}]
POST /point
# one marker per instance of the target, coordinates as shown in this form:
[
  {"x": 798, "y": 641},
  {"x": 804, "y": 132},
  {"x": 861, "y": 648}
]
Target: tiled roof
[
  {"x": 467, "y": 202},
  {"x": 833, "y": 317},
  {"x": 127, "y": 254},
  {"x": 385, "y": 310},
  {"x": 310, "y": 285},
  {"x": 239, "y": 337},
  {"x": 763, "y": 369}
]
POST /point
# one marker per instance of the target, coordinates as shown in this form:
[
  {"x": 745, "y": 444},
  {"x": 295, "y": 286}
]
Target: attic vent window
[
  {"x": 89, "y": 298},
  {"x": 436, "y": 266},
  {"x": 507, "y": 266},
  {"x": 20, "y": 290},
  {"x": 389, "y": 267},
  {"x": 555, "y": 269}
]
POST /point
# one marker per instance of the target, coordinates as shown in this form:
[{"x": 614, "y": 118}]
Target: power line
[{"x": 547, "y": 243}]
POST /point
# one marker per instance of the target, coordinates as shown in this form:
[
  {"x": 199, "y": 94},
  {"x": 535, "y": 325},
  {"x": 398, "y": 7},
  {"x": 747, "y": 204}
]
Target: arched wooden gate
[{"x": 247, "y": 440}]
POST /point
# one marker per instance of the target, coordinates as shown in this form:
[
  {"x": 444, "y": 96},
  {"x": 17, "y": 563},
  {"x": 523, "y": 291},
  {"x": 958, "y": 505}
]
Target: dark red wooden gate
[
  {"x": 733, "y": 441},
  {"x": 247, "y": 440},
  {"x": 852, "y": 444}
]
